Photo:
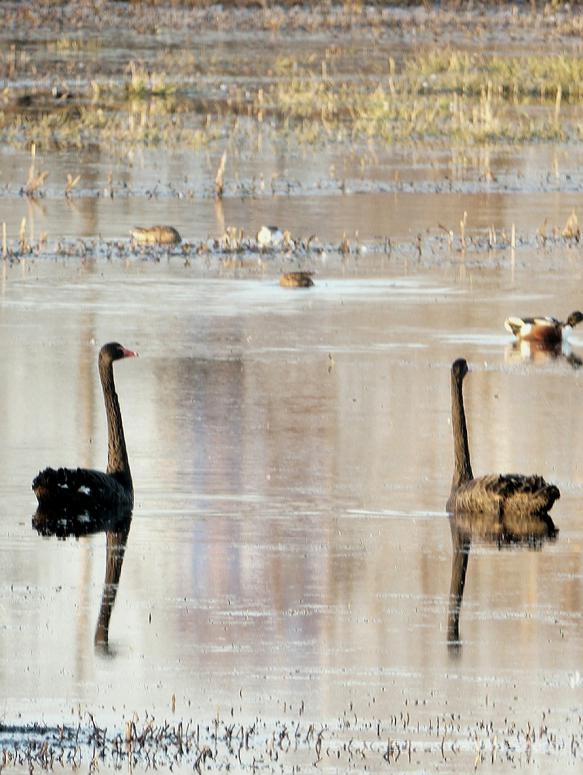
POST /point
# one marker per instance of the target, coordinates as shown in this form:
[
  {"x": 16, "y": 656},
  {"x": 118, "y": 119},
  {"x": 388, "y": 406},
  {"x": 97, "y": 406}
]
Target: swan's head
[
  {"x": 574, "y": 318},
  {"x": 113, "y": 351},
  {"x": 459, "y": 369}
]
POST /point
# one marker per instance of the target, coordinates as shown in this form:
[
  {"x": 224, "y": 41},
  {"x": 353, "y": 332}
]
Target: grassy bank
[{"x": 432, "y": 95}]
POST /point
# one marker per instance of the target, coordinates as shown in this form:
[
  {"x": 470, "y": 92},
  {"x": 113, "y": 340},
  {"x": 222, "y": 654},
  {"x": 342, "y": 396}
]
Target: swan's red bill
[{"x": 130, "y": 353}]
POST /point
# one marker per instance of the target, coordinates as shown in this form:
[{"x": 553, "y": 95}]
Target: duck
[
  {"x": 296, "y": 280},
  {"x": 272, "y": 237},
  {"x": 508, "y": 497},
  {"x": 155, "y": 235},
  {"x": 547, "y": 330}
]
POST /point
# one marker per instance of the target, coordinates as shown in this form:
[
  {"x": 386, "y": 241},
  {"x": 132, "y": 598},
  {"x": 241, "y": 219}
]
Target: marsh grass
[
  {"x": 439, "y": 95},
  {"x": 36, "y": 178},
  {"x": 512, "y": 78},
  {"x": 145, "y": 83}
]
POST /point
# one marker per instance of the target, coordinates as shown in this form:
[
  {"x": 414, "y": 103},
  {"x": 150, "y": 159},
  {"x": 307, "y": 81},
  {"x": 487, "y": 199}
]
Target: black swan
[
  {"x": 509, "y": 497},
  {"x": 547, "y": 330},
  {"x": 76, "y": 490}
]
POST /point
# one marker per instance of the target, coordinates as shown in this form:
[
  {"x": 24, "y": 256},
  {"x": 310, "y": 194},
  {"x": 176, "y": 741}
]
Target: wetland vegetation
[{"x": 354, "y": 82}]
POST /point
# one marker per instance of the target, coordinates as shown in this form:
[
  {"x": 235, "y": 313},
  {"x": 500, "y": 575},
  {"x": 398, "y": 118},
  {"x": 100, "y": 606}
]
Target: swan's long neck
[
  {"x": 462, "y": 471},
  {"x": 117, "y": 456}
]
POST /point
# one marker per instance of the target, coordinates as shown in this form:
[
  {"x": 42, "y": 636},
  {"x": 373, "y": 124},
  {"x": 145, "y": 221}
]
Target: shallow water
[
  {"x": 289, "y": 560},
  {"x": 291, "y": 456},
  {"x": 370, "y": 193}
]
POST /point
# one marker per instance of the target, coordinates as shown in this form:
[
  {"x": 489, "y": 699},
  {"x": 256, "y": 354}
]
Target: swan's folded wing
[
  {"x": 506, "y": 494},
  {"x": 75, "y": 487}
]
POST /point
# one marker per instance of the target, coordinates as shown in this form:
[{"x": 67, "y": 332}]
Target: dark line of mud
[{"x": 236, "y": 251}]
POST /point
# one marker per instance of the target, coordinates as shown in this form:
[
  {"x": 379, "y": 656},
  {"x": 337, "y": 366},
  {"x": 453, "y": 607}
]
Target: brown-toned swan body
[
  {"x": 507, "y": 496},
  {"x": 77, "y": 489}
]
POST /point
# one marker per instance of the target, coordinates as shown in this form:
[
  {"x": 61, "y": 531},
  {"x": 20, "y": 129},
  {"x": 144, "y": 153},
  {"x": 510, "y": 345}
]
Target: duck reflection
[
  {"x": 116, "y": 525},
  {"x": 505, "y": 530},
  {"x": 540, "y": 353}
]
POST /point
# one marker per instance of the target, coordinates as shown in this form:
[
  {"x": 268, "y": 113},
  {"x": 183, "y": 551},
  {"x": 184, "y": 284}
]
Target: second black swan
[
  {"x": 79, "y": 489},
  {"x": 509, "y": 496}
]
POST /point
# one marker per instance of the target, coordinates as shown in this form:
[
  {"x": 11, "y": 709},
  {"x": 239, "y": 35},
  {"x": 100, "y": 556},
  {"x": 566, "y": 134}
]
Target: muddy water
[{"x": 289, "y": 554}]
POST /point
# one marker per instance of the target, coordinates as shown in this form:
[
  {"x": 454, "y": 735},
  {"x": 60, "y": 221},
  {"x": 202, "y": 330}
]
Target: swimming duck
[
  {"x": 296, "y": 280},
  {"x": 538, "y": 329},
  {"x": 155, "y": 235}
]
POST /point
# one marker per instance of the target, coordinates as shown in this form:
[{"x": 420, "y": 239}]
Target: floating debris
[
  {"x": 296, "y": 280},
  {"x": 155, "y": 235}
]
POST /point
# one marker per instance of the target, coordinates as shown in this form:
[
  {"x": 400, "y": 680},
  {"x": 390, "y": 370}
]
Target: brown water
[{"x": 291, "y": 455}]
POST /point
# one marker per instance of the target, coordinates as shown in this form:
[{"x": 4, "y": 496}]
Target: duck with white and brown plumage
[{"x": 547, "y": 331}]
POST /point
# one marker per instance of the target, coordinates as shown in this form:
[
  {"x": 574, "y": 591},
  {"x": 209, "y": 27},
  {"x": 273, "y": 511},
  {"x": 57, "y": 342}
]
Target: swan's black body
[
  {"x": 505, "y": 496},
  {"x": 82, "y": 490}
]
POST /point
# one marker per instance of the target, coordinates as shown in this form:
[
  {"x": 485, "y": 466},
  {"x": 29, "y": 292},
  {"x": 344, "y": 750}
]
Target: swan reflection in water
[
  {"x": 116, "y": 525},
  {"x": 540, "y": 353},
  {"x": 497, "y": 508},
  {"x": 530, "y": 531}
]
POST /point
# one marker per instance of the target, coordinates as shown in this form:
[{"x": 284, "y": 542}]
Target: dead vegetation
[
  {"x": 407, "y": 737},
  {"x": 193, "y": 98}
]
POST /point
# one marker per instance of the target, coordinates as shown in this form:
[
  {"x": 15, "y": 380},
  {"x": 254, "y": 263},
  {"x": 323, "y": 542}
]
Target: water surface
[{"x": 291, "y": 456}]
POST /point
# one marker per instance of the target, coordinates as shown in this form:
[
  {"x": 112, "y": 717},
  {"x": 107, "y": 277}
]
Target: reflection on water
[
  {"x": 304, "y": 558},
  {"x": 504, "y": 530},
  {"x": 116, "y": 525},
  {"x": 115, "y": 552},
  {"x": 541, "y": 353}
]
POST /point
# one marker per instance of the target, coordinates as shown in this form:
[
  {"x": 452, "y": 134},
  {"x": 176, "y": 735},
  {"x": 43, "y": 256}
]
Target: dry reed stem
[
  {"x": 22, "y": 241},
  {"x": 219, "y": 179}
]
